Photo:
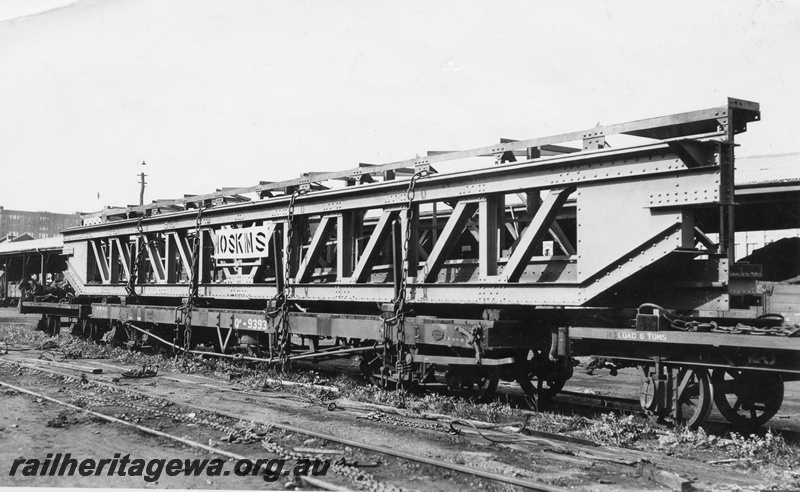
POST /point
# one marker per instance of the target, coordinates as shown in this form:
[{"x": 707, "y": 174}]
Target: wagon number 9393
[{"x": 250, "y": 324}]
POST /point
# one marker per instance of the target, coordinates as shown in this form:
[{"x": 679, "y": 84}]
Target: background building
[{"x": 35, "y": 224}]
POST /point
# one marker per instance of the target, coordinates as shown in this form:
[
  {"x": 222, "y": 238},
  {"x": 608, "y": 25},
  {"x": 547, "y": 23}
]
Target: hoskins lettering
[{"x": 247, "y": 242}]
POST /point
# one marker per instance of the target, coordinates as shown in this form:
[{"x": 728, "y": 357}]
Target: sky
[{"x": 213, "y": 93}]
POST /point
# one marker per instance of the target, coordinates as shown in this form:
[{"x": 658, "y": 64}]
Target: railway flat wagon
[
  {"x": 506, "y": 269},
  {"x": 20, "y": 259}
]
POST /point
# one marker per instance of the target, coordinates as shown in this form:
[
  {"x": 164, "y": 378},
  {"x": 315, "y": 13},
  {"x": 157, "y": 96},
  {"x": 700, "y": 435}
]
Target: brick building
[{"x": 36, "y": 224}]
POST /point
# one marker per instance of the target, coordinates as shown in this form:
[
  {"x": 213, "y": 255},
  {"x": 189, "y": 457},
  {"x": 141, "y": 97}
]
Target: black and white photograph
[{"x": 401, "y": 245}]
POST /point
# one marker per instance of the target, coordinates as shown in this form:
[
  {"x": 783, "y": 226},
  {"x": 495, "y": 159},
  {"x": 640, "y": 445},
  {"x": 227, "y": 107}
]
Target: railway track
[
  {"x": 537, "y": 447},
  {"x": 357, "y": 477},
  {"x": 581, "y": 397},
  {"x": 315, "y": 482}
]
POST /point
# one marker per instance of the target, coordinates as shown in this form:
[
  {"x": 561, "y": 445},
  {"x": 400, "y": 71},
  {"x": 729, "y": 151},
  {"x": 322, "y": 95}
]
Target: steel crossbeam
[
  {"x": 721, "y": 121},
  {"x": 605, "y": 166}
]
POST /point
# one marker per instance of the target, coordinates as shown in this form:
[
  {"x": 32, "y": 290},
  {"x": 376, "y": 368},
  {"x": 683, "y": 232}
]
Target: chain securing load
[
  {"x": 403, "y": 365},
  {"x": 279, "y": 306},
  {"x": 776, "y": 324},
  {"x": 130, "y": 286},
  {"x": 194, "y": 285}
]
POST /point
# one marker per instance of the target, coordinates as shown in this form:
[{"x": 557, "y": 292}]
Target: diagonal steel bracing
[
  {"x": 535, "y": 231},
  {"x": 451, "y": 233},
  {"x": 366, "y": 262}
]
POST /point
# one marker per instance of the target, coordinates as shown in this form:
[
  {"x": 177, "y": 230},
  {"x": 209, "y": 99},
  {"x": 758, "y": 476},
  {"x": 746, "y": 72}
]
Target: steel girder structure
[
  {"x": 633, "y": 220},
  {"x": 479, "y": 275}
]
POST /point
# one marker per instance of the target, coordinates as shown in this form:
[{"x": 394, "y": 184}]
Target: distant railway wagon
[
  {"x": 20, "y": 260},
  {"x": 560, "y": 246}
]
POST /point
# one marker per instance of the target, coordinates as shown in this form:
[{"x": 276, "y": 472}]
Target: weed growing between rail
[
  {"x": 619, "y": 430},
  {"x": 768, "y": 450},
  {"x": 768, "y": 454},
  {"x": 20, "y": 336}
]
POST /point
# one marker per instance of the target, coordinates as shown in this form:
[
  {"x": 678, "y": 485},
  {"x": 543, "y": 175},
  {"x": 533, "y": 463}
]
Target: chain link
[
  {"x": 284, "y": 336},
  {"x": 141, "y": 252},
  {"x": 278, "y": 305},
  {"x": 385, "y": 356},
  {"x": 361, "y": 478},
  {"x": 133, "y": 277},
  {"x": 410, "y": 195},
  {"x": 398, "y": 319},
  {"x": 778, "y": 328},
  {"x": 383, "y": 417},
  {"x": 194, "y": 286}
]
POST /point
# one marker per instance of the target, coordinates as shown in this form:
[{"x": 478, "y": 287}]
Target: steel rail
[
  {"x": 610, "y": 455},
  {"x": 398, "y": 454},
  {"x": 614, "y": 399},
  {"x": 149, "y": 430}
]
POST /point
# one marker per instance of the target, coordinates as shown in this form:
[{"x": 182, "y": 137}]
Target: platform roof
[{"x": 43, "y": 245}]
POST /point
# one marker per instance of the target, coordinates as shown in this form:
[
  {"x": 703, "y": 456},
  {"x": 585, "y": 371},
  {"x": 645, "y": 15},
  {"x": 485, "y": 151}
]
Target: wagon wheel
[
  {"x": 486, "y": 385},
  {"x": 747, "y": 398},
  {"x": 382, "y": 375},
  {"x": 79, "y": 327},
  {"x": 694, "y": 397},
  {"x": 53, "y": 325},
  {"x": 540, "y": 389},
  {"x": 372, "y": 367},
  {"x": 693, "y": 390},
  {"x": 479, "y": 384},
  {"x": 88, "y": 329}
]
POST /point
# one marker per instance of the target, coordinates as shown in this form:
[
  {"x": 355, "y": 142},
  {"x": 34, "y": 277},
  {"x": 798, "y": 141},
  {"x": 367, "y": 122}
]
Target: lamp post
[{"x": 142, "y": 185}]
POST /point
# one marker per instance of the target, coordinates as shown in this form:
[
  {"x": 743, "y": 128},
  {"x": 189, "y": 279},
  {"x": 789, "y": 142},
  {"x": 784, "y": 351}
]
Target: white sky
[{"x": 226, "y": 93}]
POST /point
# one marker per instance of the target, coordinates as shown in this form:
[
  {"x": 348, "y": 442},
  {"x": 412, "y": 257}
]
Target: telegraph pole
[{"x": 141, "y": 189}]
